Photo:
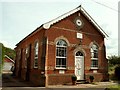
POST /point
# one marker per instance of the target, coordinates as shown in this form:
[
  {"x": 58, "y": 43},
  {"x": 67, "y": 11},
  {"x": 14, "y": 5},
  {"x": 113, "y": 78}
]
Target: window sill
[
  {"x": 95, "y": 68},
  {"x": 61, "y": 68},
  {"x": 35, "y": 67}
]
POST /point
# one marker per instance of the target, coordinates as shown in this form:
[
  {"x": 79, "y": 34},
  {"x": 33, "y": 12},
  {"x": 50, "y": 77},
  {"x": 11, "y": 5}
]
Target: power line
[{"x": 106, "y": 6}]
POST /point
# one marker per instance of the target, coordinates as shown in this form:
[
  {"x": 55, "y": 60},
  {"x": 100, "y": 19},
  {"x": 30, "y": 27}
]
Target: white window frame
[
  {"x": 26, "y": 54},
  {"x": 36, "y": 49},
  {"x": 93, "y": 51},
  {"x": 61, "y": 56}
]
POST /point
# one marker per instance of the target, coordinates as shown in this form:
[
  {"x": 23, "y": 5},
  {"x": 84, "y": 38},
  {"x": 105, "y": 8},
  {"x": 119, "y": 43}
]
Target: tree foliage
[
  {"x": 117, "y": 72},
  {"x": 9, "y": 52},
  {"x": 1, "y": 56},
  {"x": 6, "y": 51},
  {"x": 114, "y": 60}
]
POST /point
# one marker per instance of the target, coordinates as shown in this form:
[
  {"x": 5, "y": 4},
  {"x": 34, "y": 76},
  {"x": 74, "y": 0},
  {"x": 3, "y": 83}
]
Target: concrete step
[{"x": 81, "y": 82}]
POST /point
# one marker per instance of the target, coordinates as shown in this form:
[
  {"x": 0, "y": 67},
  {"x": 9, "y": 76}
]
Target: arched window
[
  {"x": 61, "y": 51},
  {"x": 26, "y": 53},
  {"x": 94, "y": 56},
  {"x": 79, "y": 53},
  {"x": 36, "y": 47}
]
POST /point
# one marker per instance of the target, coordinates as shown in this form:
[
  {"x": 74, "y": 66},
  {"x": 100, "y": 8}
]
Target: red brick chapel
[{"x": 71, "y": 44}]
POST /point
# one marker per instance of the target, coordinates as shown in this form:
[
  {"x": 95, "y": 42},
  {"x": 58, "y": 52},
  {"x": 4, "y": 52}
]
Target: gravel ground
[
  {"x": 12, "y": 83},
  {"x": 94, "y": 85}
]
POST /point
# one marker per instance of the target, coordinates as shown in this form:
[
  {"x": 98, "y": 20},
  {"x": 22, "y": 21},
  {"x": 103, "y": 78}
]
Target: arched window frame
[
  {"x": 94, "y": 56},
  {"x": 79, "y": 53},
  {"x": 61, "y": 54},
  {"x": 26, "y": 53},
  {"x": 36, "y": 48}
]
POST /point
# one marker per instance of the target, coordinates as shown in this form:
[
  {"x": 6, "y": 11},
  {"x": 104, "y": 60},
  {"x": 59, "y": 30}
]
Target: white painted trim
[
  {"x": 47, "y": 25},
  {"x": 60, "y": 68},
  {"x": 9, "y": 58},
  {"x": 93, "y": 67},
  {"x": 63, "y": 38},
  {"x": 79, "y": 48},
  {"x": 82, "y": 72}
]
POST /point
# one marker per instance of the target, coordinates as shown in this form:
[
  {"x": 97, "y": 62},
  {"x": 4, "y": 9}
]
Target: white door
[{"x": 79, "y": 66}]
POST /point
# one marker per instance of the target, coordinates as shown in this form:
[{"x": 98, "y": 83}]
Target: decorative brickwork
[{"x": 46, "y": 73}]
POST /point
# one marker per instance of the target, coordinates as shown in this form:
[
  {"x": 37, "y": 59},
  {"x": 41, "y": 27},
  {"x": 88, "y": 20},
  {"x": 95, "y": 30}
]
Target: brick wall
[
  {"x": 34, "y": 73},
  {"x": 67, "y": 30}
]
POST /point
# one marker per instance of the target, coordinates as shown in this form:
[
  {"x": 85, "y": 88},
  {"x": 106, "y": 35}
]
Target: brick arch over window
[
  {"x": 62, "y": 38},
  {"x": 94, "y": 43}
]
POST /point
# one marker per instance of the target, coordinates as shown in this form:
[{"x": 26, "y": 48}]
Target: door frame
[{"x": 83, "y": 64}]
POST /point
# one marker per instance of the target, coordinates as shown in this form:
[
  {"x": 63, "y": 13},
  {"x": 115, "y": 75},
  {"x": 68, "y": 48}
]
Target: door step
[{"x": 81, "y": 82}]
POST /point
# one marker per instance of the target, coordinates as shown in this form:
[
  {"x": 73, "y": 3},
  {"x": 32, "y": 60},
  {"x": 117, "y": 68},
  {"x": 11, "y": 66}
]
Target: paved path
[{"x": 12, "y": 83}]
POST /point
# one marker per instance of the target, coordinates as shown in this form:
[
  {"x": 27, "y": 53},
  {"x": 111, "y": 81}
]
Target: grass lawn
[{"x": 114, "y": 87}]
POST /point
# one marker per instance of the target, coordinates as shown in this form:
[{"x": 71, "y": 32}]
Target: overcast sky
[{"x": 19, "y": 18}]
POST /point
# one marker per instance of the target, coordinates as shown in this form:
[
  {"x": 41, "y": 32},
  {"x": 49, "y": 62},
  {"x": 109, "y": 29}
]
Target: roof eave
[
  {"x": 32, "y": 33},
  {"x": 94, "y": 23},
  {"x": 9, "y": 58},
  {"x": 48, "y": 24}
]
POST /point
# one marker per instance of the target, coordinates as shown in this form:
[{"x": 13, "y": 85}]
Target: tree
[
  {"x": 1, "y": 56},
  {"x": 117, "y": 72},
  {"x": 114, "y": 60},
  {"x": 5, "y": 51},
  {"x": 9, "y": 52}
]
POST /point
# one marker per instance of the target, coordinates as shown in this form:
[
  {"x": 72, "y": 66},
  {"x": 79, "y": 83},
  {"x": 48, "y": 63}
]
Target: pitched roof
[
  {"x": 47, "y": 25},
  {"x": 82, "y": 10},
  {"x": 9, "y": 59}
]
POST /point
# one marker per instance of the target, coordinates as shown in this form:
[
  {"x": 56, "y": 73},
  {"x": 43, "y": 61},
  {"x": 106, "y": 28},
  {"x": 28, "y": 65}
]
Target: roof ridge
[
  {"x": 94, "y": 22},
  {"x": 47, "y": 25}
]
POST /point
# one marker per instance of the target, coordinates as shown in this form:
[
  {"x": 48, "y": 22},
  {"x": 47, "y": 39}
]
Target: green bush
[
  {"x": 117, "y": 72},
  {"x": 91, "y": 78},
  {"x": 114, "y": 60},
  {"x": 74, "y": 78}
]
